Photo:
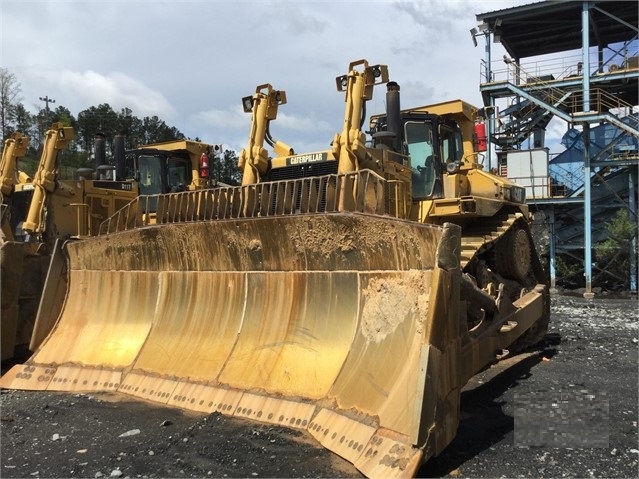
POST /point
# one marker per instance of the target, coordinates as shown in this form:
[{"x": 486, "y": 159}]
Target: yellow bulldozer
[
  {"x": 39, "y": 211},
  {"x": 349, "y": 293}
]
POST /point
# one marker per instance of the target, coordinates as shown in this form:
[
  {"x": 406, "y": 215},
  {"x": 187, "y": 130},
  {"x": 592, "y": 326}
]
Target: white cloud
[
  {"x": 287, "y": 128},
  {"x": 436, "y": 19},
  {"x": 232, "y": 118},
  {"x": 117, "y": 89},
  {"x": 78, "y": 90},
  {"x": 191, "y": 61},
  {"x": 304, "y": 124}
]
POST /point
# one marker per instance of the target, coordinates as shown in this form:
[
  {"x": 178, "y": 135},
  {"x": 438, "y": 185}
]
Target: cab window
[
  {"x": 451, "y": 144},
  {"x": 179, "y": 171},
  {"x": 150, "y": 168},
  {"x": 419, "y": 142},
  {"x": 130, "y": 170}
]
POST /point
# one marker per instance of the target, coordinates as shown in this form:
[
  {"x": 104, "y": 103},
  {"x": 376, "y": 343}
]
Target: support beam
[
  {"x": 490, "y": 122},
  {"x": 585, "y": 35},
  {"x": 552, "y": 252},
  {"x": 587, "y": 215},
  {"x": 585, "y": 57}
]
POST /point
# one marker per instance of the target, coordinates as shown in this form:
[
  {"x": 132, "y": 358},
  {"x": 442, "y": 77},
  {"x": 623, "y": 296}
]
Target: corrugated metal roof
[{"x": 554, "y": 26}]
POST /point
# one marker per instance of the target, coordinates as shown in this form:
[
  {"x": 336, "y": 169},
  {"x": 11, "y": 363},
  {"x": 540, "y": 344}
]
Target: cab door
[{"x": 421, "y": 145}]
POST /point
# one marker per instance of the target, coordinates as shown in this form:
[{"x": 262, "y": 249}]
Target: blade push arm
[
  {"x": 14, "y": 147},
  {"x": 350, "y": 146},
  {"x": 57, "y": 138},
  {"x": 263, "y": 104}
]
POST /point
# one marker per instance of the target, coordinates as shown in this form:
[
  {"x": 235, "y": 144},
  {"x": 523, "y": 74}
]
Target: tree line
[{"x": 101, "y": 119}]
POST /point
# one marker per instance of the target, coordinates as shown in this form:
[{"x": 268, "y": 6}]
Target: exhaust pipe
[
  {"x": 101, "y": 166},
  {"x": 119, "y": 156},
  {"x": 100, "y": 149},
  {"x": 393, "y": 116}
]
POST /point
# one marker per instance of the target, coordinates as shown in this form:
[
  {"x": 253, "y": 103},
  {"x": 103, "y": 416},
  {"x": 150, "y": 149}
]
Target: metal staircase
[{"x": 537, "y": 99}]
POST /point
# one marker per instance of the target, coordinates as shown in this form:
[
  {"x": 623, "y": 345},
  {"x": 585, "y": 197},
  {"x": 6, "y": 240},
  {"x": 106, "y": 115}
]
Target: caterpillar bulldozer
[
  {"x": 349, "y": 293},
  {"x": 23, "y": 258},
  {"x": 39, "y": 211},
  {"x": 12, "y": 182}
]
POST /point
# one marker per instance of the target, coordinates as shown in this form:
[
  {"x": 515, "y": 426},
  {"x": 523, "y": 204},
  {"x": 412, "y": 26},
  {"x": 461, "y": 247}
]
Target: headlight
[{"x": 452, "y": 167}]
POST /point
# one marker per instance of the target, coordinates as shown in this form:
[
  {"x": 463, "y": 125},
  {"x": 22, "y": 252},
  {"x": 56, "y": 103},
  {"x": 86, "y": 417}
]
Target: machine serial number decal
[
  {"x": 114, "y": 185},
  {"x": 309, "y": 158}
]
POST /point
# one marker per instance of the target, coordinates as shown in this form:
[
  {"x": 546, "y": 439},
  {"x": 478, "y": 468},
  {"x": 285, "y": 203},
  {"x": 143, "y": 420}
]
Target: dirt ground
[{"x": 566, "y": 409}]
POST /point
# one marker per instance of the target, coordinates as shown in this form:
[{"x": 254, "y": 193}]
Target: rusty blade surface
[{"x": 319, "y": 322}]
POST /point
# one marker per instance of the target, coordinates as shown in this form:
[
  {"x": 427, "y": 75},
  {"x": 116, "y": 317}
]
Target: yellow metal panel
[
  {"x": 205, "y": 398},
  {"x": 341, "y": 434},
  {"x": 105, "y": 321},
  {"x": 296, "y": 332},
  {"x": 380, "y": 374},
  {"x": 153, "y": 388},
  {"x": 28, "y": 376},
  {"x": 74, "y": 378},
  {"x": 389, "y": 454},
  {"x": 199, "y": 315},
  {"x": 274, "y": 410}
]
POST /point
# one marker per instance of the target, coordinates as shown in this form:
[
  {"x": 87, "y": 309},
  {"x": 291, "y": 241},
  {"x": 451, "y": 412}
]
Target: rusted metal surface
[{"x": 291, "y": 322}]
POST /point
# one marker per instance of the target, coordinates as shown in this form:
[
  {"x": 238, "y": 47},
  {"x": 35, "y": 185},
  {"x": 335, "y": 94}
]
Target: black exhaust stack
[
  {"x": 99, "y": 142},
  {"x": 119, "y": 157},
  {"x": 393, "y": 117}
]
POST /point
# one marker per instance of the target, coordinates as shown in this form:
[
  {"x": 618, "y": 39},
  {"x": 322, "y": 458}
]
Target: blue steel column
[
  {"x": 489, "y": 121},
  {"x": 552, "y": 252},
  {"x": 585, "y": 44}
]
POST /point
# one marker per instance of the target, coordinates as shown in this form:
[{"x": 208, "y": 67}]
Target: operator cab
[
  {"x": 433, "y": 145},
  {"x": 158, "y": 171}
]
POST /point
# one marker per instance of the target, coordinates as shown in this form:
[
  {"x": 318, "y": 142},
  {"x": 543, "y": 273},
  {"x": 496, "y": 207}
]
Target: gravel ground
[{"x": 567, "y": 409}]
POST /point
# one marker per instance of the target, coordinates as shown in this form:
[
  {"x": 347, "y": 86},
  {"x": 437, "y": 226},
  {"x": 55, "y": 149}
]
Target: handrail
[
  {"x": 367, "y": 192},
  {"x": 602, "y": 100},
  {"x": 536, "y": 82},
  {"x": 561, "y": 68}
]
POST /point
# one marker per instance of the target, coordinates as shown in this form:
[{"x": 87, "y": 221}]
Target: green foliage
[
  {"x": 621, "y": 231},
  {"x": 567, "y": 269},
  {"x": 614, "y": 254},
  {"x": 23, "y": 120},
  {"x": 224, "y": 168}
]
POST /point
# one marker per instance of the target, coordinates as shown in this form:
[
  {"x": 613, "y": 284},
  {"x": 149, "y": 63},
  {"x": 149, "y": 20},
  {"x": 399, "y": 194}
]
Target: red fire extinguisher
[
  {"x": 480, "y": 134},
  {"x": 204, "y": 166}
]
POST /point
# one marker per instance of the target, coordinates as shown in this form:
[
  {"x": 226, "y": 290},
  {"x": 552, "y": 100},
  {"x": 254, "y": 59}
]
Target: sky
[{"x": 190, "y": 62}]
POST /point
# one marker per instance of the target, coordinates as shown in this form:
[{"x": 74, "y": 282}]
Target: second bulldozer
[
  {"x": 40, "y": 211},
  {"x": 350, "y": 293}
]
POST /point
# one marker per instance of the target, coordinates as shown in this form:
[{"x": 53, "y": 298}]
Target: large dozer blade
[{"x": 343, "y": 324}]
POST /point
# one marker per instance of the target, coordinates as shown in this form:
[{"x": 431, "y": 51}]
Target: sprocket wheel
[{"x": 513, "y": 255}]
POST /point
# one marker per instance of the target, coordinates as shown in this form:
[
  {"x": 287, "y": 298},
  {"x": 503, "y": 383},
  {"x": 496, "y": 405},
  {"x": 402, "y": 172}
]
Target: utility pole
[
  {"x": 47, "y": 116},
  {"x": 46, "y": 101}
]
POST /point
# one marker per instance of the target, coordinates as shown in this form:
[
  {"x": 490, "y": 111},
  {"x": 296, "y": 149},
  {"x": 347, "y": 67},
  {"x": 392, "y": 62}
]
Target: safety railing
[
  {"x": 601, "y": 101},
  {"x": 536, "y": 186},
  {"x": 363, "y": 191},
  {"x": 556, "y": 68},
  {"x": 505, "y": 70},
  {"x": 571, "y": 102}
]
